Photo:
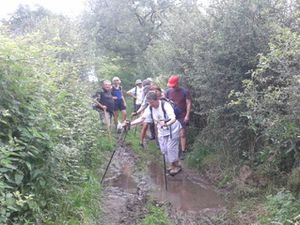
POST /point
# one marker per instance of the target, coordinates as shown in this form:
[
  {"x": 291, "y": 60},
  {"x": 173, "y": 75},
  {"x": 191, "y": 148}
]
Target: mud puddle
[
  {"x": 125, "y": 180},
  {"x": 127, "y": 191},
  {"x": 182, "y": 191}
]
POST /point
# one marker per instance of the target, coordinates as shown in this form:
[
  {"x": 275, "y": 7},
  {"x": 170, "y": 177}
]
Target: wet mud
[
  {"x": 189, "y": 199},
  {"x": 182, "y": 191}
]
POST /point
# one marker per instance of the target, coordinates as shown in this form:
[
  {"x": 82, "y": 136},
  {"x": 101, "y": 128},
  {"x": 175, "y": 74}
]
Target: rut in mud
[{"x": 190, "y": 199}]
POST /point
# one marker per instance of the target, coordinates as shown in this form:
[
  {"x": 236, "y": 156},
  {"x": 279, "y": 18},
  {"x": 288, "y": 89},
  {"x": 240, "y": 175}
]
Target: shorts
[
  {"x": 119, "y": 105},
  {"x": 169, "y": 147},
  {"x": 183, "y": 124},
  {"x": 105, "y": 118}
]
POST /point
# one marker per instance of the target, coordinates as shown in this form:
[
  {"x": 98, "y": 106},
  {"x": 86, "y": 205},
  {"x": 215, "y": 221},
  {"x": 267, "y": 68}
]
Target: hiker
[
  {"x": 146, "y": 88},
  {"x": 182, "y": 98},
  {"x": 158, "y": 91},
  {"x": 119, "y": 100},
  {"x": 104, "y": 103},
  {"x": 162, "y": 114},
  {"x": 137, "y": 94}
]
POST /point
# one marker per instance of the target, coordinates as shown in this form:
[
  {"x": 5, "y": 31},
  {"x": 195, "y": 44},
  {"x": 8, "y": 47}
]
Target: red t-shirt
[{"x": 179, "y": 97}]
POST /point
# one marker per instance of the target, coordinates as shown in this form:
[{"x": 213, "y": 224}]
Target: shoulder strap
[
  {"x": 163, "y": 108},
  {"x": 151, "y": 113},
  {"x": 167, "y": 93},
  {"x": 184, "y": 92}
]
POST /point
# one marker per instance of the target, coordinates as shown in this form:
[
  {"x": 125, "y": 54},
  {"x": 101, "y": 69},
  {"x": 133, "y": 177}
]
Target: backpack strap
[
  {"x": 135, "y": 94},
  {"x": 165, "y": 115},
  {"x": 163, "y": 108},
  {"x": 151, "y": 111}
]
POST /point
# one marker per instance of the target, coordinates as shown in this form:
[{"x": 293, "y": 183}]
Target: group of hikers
[{"x": 166, "y": 113}]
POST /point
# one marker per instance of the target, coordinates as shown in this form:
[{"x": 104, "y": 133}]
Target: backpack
[{"x": 177, "y": 110}]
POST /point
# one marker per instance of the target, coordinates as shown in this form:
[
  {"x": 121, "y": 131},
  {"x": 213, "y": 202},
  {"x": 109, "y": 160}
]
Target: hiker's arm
[
  {"x": 188, "y": 109},
  {"x": 171, "y": 115},
  {"x": 170, "y": 122},
  {"x": 163, "y": 123},
  {"x": 129, "y": 93},
  {"x": 99, "y": 104},
  {"x": 141, "y": 109},
  {"x": 137, "y": 121}
]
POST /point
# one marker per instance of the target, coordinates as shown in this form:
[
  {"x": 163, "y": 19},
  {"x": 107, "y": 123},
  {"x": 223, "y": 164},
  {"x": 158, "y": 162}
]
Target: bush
[
  {"x": 282, "y": 208},
  {"x": 294, "y": 181}
]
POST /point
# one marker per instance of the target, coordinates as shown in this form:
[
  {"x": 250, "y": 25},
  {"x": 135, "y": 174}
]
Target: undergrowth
[{"x": 156, "y": 216}]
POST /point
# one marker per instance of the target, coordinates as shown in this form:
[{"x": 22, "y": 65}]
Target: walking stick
[
  {"x": 165, "y": 172},
  {"x": 107, "y": 121},
  {"x": 108, "y": 166}
]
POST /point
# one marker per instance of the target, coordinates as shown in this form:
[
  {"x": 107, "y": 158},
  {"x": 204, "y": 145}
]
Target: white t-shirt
[
  {"x": 138, "y": 92},
  {"x": 158, "y": 115}
]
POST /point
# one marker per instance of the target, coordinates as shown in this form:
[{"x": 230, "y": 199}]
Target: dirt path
[{"x": 190, "y": 200}]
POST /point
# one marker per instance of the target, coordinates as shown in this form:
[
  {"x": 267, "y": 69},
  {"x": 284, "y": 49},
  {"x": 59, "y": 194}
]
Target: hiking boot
[
  {"x": 142, "y": 145},
  {"x": 175, "y": 170},
  {"x": 182, "y": 155}
]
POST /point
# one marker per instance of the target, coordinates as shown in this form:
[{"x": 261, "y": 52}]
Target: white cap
[
  {"x": 138, "y": 81},
  {"x": 150, "y": 79},
  {"x": 116, "y": 78}
]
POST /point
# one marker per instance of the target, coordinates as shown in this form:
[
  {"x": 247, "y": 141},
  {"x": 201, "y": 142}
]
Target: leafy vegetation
[
  {"x": 156, "y": 215},
  {"x": 49, "y": 137},
  {"x": 283, "y": 208}
]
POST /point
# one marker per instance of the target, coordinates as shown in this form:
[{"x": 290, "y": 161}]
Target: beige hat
[{"x": 116, "y": 78}]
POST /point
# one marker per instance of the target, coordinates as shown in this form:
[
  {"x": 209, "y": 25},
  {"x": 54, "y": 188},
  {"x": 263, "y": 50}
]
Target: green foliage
[
  {"x": 198, "y": 155},
  {"x": 156, "y": 216},
  {"x": 48, "y": 134},
  {"x": 293, "y": 182},
  {"x": 81, "y": 205},
  {"x": 282, "y": 208}
]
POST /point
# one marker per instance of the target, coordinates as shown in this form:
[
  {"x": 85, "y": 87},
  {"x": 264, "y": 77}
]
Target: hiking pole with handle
[
  {"x": 112, "y": 155},
  {"x": 165, "y": 172}
]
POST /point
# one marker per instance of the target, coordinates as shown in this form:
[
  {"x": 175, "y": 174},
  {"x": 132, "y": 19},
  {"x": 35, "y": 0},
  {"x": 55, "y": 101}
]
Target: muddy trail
[{"x": 127, "y": 190}]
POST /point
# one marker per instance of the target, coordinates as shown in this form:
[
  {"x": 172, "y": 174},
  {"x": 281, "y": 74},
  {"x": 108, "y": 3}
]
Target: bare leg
[
  {"x": 183, "y": 139},
  {"x": 143, "y": 132},
  {"x": 116, "y": 115},
  {"x": 124, "y": 115}
]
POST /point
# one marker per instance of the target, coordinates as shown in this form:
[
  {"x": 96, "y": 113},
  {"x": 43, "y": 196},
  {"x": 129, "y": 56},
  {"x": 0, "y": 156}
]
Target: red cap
[{"x": 173, "y": 81}]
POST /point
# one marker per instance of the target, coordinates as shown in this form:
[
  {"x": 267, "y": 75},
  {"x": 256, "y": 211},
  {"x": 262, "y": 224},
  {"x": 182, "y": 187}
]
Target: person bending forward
[{"x": 168, "y": 128}]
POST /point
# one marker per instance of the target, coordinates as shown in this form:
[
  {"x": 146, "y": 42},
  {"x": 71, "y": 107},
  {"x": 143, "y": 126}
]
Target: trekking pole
[
  {"x": 122, "y": 139},
  {"x": 165, "y": 172},
  {"x": 108, "y": 166}
]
